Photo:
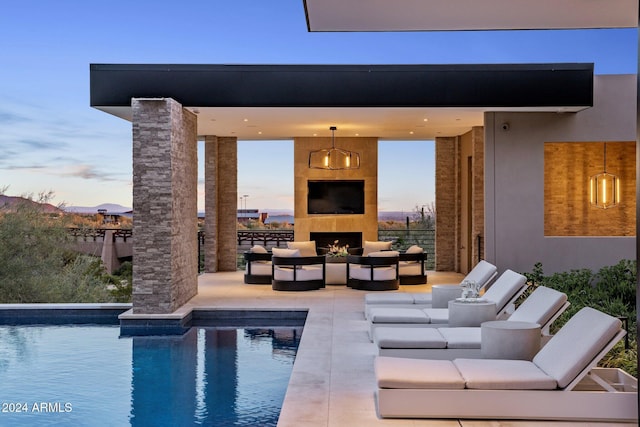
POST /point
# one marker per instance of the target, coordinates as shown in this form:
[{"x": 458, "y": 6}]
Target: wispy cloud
[{"x": 85, "y": 171}]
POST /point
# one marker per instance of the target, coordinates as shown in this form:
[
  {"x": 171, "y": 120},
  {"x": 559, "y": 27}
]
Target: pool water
[{"x": 88, "y": 375}]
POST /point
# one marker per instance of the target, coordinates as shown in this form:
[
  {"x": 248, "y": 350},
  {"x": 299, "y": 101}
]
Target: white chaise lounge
[
  {"x": 561, "y": 383},
  {"x": 483, "y": 273},
  {"x": 542, "y": 307},
  {"x": 504, "y": 292}
]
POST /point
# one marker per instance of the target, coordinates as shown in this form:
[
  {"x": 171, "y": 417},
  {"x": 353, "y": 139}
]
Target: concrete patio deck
[{"x": 332, "y": 382}]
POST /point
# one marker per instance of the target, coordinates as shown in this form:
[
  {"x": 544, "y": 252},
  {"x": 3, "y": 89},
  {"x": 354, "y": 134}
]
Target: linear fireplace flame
[{"x": 324, "y": 239}]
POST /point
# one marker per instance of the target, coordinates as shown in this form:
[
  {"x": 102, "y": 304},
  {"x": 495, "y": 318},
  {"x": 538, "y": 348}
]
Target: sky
[{"x": 52, "y": 140}]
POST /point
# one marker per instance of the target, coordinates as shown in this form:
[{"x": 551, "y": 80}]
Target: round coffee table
[
  {"x": 471, "y": 313},
  {"x": 504, "y": 339}
]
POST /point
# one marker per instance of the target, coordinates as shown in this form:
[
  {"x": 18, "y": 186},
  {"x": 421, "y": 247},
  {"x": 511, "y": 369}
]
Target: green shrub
[
  {"x": 611, "y": 290},
  {"x": 36, "y": 265}
]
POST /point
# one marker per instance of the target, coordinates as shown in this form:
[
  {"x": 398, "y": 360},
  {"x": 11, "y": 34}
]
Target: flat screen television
[{"x": 336, "y": 197}]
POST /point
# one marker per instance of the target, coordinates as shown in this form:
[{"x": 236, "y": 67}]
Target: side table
[
  {"x": 466, "y": 313},
  {"x": 336, "y": 271},
  {"x": 504, "y": 339},
  {"x": 442, "y": 294}
]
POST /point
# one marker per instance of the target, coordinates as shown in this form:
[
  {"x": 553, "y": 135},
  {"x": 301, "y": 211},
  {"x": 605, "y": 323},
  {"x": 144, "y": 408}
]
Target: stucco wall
[{"x": 514, "y": 180}]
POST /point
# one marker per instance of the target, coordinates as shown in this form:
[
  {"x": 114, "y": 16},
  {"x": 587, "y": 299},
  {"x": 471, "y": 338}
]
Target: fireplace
[{"x": 324, "y": 239}]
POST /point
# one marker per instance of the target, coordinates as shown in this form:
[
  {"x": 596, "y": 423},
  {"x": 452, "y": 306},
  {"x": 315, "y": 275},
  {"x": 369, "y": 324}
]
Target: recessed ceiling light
[
  {"x": 259, "y": 132},
  {"x": 246, "y": 120},
  {"x": 425, "y": 120},
  {"x": 357, "y": 134},
  {"x": 315, "y": 134},
  {"x": 410, "y": 132}
]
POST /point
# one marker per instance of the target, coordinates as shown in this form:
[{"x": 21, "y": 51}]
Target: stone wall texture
[
  {"x": 211, "y": 204},
  {"x": 447, "y": 203},
  {"x": 567, "y": 168},
  {"x": 165, "y": 266},
  {"x": 227, "y": 203},
  {"x": 367, "y": 224}
]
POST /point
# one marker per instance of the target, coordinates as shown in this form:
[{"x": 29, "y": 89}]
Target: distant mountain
[
  {"x": 8, "y": 203},
  {"x": 110, "y": 208}
]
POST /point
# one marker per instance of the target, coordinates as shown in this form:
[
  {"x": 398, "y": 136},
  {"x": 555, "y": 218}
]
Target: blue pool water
[{"x": 88, "y": 375}]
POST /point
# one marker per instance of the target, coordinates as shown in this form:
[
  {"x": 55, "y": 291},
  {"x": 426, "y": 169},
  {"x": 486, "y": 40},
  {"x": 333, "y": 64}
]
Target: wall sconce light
[
  {"x": 333, "y": 158},
  {"x": 604, "y": 188}
]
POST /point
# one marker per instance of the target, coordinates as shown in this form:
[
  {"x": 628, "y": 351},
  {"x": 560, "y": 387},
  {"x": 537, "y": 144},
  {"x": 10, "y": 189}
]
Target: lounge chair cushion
[
  {"x": 437, "y": 315},
  {"x": 490, "y": 374},
  {"x": 363, "y": 272},
  {"x": 396, "y": 372},
  {"x": 257, "y": 249},
  {"x": 307, "y": 248},
  {"x": 306, "y": 272},
  {"x": 395, "y": 298},
  {"x": 422, "y": 297},
  {"x": 390, "y": 337},
  {"x": 375, "y": 247},
  {"x": 574, "y": 346},
  {"x": 259, "y": 268},
  {"x": 285, "y": 252},
  {"x": 504, "y": 289},
  {"x": 540, "y": 306},
  {"x": 397, "y": 315},
  {"x": 465, "y": 337},
  {"x": 482, "y": 272},
  {"x": 410, "y": 268},
  {"x": 388, "y": 254}
]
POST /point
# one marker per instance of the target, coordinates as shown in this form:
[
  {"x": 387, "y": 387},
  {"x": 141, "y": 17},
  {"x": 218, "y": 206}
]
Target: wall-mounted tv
[{"x": 336, "y": 197}]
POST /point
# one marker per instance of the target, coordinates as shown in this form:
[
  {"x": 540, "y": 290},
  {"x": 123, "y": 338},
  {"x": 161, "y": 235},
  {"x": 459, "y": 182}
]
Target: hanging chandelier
[
  {"x": 604, "y": 188},
  {"x": 334, "y": 158}
]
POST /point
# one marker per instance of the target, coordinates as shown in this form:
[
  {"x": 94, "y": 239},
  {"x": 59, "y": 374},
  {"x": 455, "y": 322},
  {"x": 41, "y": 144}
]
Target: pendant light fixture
[
  {"x": 334, "y": 158},
  {"x": 604, "y": 188}
]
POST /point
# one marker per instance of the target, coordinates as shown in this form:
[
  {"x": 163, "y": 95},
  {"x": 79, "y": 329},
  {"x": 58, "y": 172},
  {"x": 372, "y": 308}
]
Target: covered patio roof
[{"x": 392, "y": 102}]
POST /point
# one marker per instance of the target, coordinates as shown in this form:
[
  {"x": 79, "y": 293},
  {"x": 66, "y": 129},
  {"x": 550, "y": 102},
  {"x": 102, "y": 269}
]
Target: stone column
[
  {"x": 227, "y": 203},
  {"x": 477, "y": 227},
  {"x": 210, "y": 204},
  {"x": 447, "y": 203},
  {"x": 165, "y": 178},
  {"x": 221, "y": 201}
]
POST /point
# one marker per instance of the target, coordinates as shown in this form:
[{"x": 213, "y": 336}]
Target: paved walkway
[{"x": 332, "y": 382}]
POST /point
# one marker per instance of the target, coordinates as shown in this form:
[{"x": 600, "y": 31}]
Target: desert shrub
[
  {"x": 611, "y": 290},
  {"x": 36, "y": 264}
]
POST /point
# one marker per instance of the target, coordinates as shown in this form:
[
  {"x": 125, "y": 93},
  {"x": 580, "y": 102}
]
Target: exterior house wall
[{"x": 514, "y": 180}]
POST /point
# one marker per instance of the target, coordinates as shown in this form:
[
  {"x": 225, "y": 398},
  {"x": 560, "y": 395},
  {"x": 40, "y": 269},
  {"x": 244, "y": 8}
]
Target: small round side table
[
  {"x": 470, "y": 313},
  {"x": 504, "y": 339}
]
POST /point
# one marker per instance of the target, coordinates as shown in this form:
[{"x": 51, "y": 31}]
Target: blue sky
[{"x": 50, "y": 139}]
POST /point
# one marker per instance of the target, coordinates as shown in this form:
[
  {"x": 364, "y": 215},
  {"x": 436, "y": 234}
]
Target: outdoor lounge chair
[
  {"x": 377, "y": 271},
  {"x": 561, "y": 383},
  {"x": 482, "y": 274},
  {"x": 504, "y": 292},
  {"x": 292, "y": 272},
  {"x": 542, "y": 307},
  {"x": 258, "y": 268}
]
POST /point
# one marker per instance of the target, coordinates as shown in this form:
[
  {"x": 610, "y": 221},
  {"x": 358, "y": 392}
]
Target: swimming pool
[{"x": 90, "y": 375}]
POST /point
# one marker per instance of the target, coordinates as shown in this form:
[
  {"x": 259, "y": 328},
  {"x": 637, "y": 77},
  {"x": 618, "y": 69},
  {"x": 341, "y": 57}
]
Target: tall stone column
[
  {"x": 165, "y": 178},
  {"x": 221, "y": 201},
  {"x": 447, "y": 203},
  {"x": 227, "y": 203}
]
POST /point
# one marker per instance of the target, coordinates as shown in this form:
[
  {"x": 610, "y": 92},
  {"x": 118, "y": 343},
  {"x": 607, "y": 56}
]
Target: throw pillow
[
  {"x": 285, "y": 252},
  {"x": 257, "y": 249},
  {"x": 307, "y": 248},
  {"x": 415, "y": 249},
  {"x": 375, "y": 247},
  {"x": 384, "y": 254}
]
